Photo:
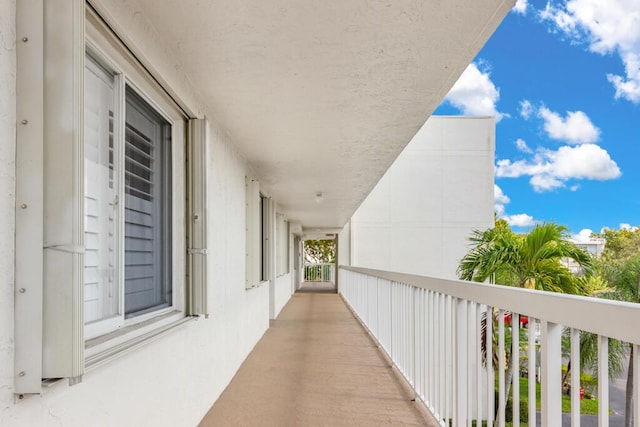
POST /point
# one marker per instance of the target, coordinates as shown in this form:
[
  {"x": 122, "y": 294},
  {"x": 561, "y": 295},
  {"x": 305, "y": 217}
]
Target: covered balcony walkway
[{"x": 316, "y": 365}]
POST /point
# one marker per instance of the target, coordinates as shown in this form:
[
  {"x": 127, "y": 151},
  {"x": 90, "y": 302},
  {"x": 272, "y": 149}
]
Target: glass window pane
[{"x": 147, "y": 232}]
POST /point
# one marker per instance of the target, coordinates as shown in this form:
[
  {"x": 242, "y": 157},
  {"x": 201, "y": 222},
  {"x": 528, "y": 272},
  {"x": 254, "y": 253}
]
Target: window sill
[
  {"x": 258, "y": 285},
  {"x": 102, "y": 349}
]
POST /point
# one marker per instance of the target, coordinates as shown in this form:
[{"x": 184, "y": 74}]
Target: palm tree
[{"x": 530, "y": 261}]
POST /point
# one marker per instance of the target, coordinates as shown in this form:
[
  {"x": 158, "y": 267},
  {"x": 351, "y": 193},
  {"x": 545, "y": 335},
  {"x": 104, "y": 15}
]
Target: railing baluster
[
  {"x": 434, "y": 330},
  {"x": 469, "y": 356},
  {"x": 550, "y": 364},
  {"x": 575, "y": 378},
  {"x": 515, "y": 368},
  {"x": 489, "y": 366},
  {"x": 531, "y": 368},
  {"x": 479, "y": 371},
  {"x": 501, "y": 364},
  {"x": 431, "y": 386},
  {"x": 451, "y": 341},
  {"x": 636, "y": 384},
  {"x": 461, "y": 362},
  {"x": 603, "y": 381}
]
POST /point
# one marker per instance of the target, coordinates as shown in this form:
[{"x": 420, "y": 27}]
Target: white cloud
[
  {"x": 520, "y": 220},
  {"x": 521, "y": 145},
  {"x": 629, "y": 227},
  {"x": 628, "y": 88},
  {"x": 583, "y": 236},
  {"x": 611, "y": 26},
  {"x": 551, "y": 169},
  {"x": 499, "y": 199},
  {"x": 474, "y": 93},
  {"x": 574, "y": 187},
  {"x": 520, "y": 7},
  {"x": 575, "y": 128},
  {"x": 526, "y": 109}
]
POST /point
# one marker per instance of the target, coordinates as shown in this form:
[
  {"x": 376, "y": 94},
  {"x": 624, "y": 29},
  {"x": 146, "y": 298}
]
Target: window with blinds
[
  {"x": 128, "y": 245},
  {"x": 114, "y": 243}
]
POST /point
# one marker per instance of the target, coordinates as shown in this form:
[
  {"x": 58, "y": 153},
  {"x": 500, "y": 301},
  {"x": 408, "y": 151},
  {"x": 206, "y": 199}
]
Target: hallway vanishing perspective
[{"x": 316, "y": 365}]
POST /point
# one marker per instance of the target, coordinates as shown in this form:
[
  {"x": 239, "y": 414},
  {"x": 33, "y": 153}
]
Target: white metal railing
[
  {"x": 431, "y": 329},
  {"x": 319, "y": 272}
]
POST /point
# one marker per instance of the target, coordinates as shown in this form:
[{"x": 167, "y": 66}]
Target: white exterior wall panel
[
  {"x": 173, "y": 380},
  {"x": 420, "y": 214}
]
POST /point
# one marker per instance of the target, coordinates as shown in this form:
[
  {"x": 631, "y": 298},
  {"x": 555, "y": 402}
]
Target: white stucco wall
[
  {"x": 420, "y": 214},
  {"x": 173, "y": 380},
  {"x": 282, "y": 293},
  {"x": 7, "y": 195},
  {"x": 344, "y": 245}
]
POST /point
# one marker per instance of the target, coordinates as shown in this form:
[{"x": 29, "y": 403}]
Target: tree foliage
[
  {"x": 620, "y": 244},
  {"x": 620, "y": 267},
  {"x": 531, "y": 261},
  {"x": 319, "y": 251}
]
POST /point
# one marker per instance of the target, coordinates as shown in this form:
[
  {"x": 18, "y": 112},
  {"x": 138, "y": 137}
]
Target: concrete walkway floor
[{"x": 316, "y": 366}]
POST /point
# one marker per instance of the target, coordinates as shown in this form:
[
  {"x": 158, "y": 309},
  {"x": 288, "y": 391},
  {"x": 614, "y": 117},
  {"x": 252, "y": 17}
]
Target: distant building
[{"x": 594, "y": 246}]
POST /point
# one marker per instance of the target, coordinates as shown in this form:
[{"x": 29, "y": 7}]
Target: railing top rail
[{"x": 615, "y": 319}]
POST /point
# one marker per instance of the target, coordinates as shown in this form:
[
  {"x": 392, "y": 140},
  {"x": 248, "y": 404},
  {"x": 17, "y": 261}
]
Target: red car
[{"x": 524, "y": 320}]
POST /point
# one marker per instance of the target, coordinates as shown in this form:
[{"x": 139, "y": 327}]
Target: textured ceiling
[{"x": 321, "y": 96}]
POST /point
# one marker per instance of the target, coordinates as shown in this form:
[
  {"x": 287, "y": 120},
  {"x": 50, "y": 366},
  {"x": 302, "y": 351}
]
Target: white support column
[{"x": 551, "y": 368}]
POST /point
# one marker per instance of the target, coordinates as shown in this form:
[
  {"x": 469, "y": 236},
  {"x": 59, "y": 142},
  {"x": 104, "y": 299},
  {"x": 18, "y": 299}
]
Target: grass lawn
[{"x": 587, "y": 406}]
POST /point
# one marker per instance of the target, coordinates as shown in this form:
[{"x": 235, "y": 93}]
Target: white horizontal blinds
[
  {"x": 101, "y": 293},
  {"x": 147, "y": 230}
]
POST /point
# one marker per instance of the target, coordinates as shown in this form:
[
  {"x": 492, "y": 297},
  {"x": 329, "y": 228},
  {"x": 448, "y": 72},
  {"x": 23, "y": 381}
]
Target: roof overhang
[{"x": 323, "y": 96}]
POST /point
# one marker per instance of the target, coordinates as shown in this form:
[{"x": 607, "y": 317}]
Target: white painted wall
[
  {"x": 282, "y": 293},
  {"x": 173, "y": 380},
  {"x": 7, "y": 195},
  {"x": 344, "y": 245},
  {"x": 418, "y": 217}
]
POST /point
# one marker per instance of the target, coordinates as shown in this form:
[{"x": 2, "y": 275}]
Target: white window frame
[
  {"x": 259, "y": 232},
  {"x": 103, "y": 46}
]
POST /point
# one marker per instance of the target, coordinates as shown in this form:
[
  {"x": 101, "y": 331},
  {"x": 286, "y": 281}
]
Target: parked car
[{"x": 524, "y": 320}]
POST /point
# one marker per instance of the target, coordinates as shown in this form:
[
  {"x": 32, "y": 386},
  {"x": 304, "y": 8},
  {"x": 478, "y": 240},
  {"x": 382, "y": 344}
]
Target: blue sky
[{"x": 563, "y": 80}]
